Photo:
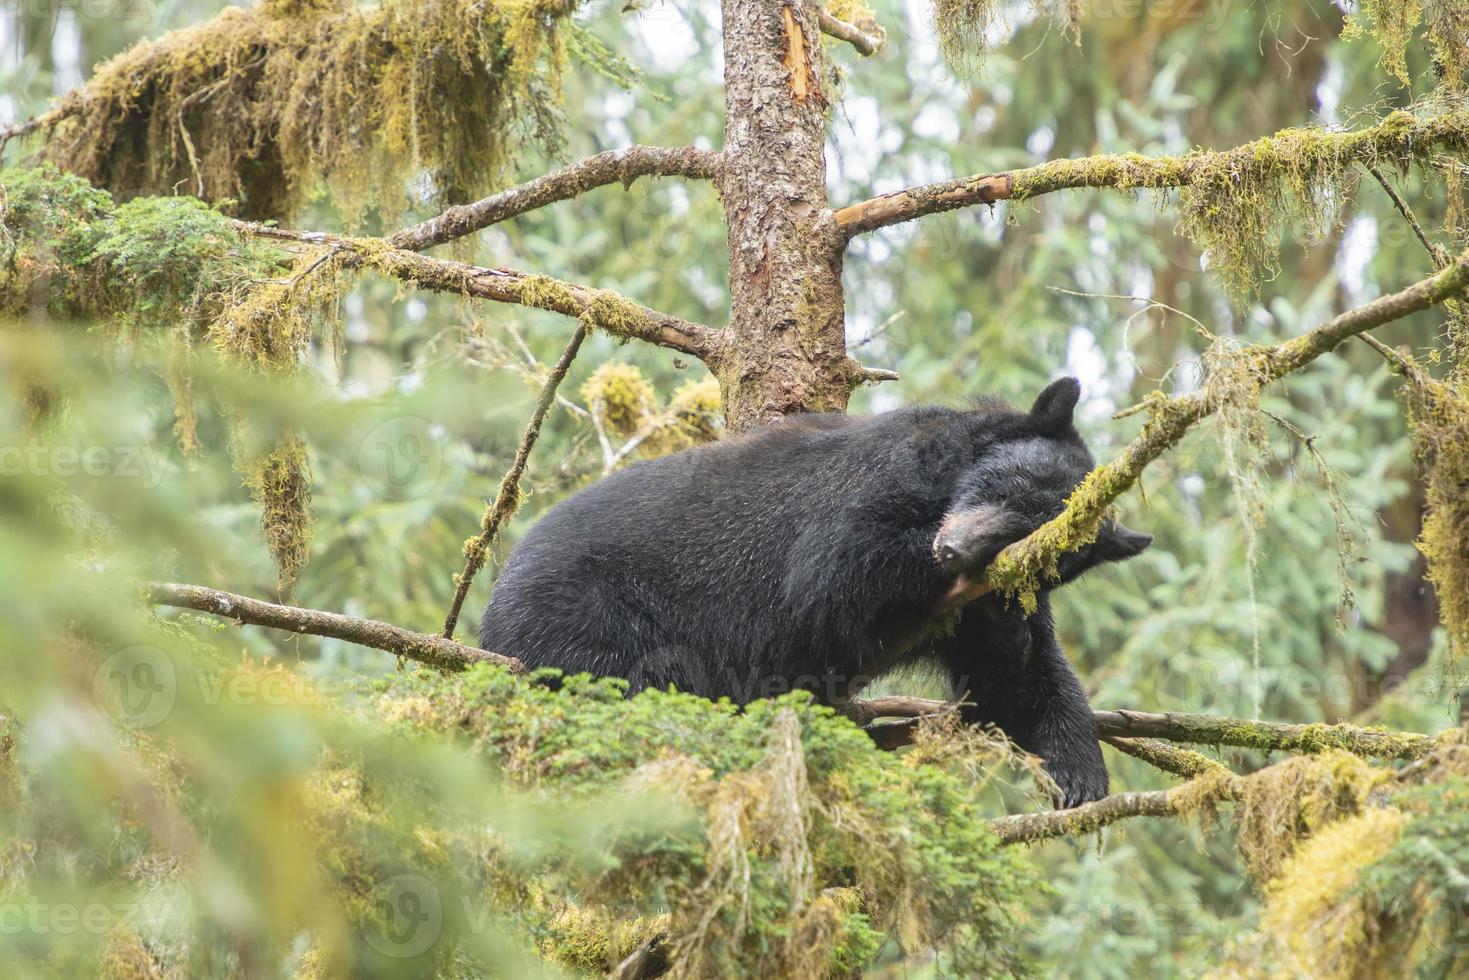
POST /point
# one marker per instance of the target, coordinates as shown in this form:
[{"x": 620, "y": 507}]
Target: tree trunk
[{"x": 785, "y": 349}]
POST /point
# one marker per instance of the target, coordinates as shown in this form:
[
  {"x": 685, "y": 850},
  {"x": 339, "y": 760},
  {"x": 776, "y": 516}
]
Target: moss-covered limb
[
  {"x": 64, "y": 107},
  {"x": 435, "y": 651},
  {"x": 1027, "y": 828},
  {"x": 600, "y": 308},
  {"x": 610, "y": 167},
  {"x": 1193, "y": 729},
  {"x": 507, "y": 499},
  {"x": 1265, "y": 736},
  {"x": 867, "y": 42},
  {"x": 1399, "y": 139},
  {"x": 1438, "y": 419},
  {"x": 264, "y": 104},
  {"x": 1161, "y": 755},
  {"x": 1022, "y": 566}
]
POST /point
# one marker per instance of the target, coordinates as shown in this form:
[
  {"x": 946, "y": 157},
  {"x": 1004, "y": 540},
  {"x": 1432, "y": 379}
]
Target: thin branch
[
  {"x": 432, "y": 650},
  {"x": 1435, "y": 252},
  {"x": 611, "y": 167},
  {"x": 507, "y": 499},
  {"x": 865, "y": 43},
  {"x": 1027, "y": 828},
  {"x": 66, "y": 107},
  {"x": 1129, "y": 172},
  {"x": 599, "y": 308},
  {"x": 1023, "y": 564}
]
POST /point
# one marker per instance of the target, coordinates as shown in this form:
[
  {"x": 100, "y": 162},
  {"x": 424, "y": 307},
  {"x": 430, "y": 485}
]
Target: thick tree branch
[
  {"x": 1171, "y": 726},
  {"x": 1397, "y": 135},
  {"x": 599, "y": 308},
  {"x": 1023, "y": 565},
  {"x": 507, "y": 498},
  {"x": 432, "y": 650},
  {"x": 1267, "y": 736},
  {"x": 611, "y": 167},
  {"x": 867, "y": 44}
]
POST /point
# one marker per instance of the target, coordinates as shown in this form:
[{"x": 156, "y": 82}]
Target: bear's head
[{"x": 1020, "y": 481}]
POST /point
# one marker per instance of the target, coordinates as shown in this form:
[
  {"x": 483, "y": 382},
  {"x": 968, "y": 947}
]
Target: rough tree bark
[{"x": 785, "y": 347}]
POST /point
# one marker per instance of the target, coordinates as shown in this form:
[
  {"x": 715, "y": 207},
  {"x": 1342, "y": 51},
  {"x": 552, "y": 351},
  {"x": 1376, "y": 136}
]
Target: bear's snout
[{"x": 969, "y": 539}]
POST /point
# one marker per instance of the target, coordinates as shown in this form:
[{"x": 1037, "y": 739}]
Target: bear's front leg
[{"x": 1020, "y": 680}]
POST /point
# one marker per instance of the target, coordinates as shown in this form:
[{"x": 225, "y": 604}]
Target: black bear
[{"x": 814, "y": 553}]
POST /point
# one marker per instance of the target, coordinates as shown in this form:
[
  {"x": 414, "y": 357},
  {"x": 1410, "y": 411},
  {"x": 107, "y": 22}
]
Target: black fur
[{"x": 809, "y": 554}]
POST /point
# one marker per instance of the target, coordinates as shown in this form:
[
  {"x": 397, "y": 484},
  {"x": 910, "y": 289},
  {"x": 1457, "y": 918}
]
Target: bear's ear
[
  {"x": 1053, "y": 407},
  {"x": 1119, "y": 543}
]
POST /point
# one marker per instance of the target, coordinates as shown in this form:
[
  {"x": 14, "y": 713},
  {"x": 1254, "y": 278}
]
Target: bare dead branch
[
  {"x": 432, "y": 650},
  {"x": 507, "y": 498},
  {"x": 1116, "y": 171},
  {"x": 600, "y": 308},
  {"x": 1026, "y": 562},
  {"x": 864, "y": 711},
  {"x": 1436, "y": 252},
  {"x": 611, "y": 167},
  {"x": 865, "y": 43}
]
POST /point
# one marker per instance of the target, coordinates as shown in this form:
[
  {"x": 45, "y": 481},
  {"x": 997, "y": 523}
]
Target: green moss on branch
[{"x": 264, "y": 104}]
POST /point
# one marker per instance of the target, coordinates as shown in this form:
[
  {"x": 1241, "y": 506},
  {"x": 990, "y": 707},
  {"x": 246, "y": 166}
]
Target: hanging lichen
[
  {"x": 168, "y": 273},
  {"x": 268, "y": 329},
  {"x": 264, "y": 104},
  {"x": 1299, "y": 179},
  {"x": 1236, "y": 204},
  {"x": 1438, "y": 417},
  {"x": 967, "y": 27},
  {"x": 280, "y": 483},
  {"x": 1394, "y": 23}
]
